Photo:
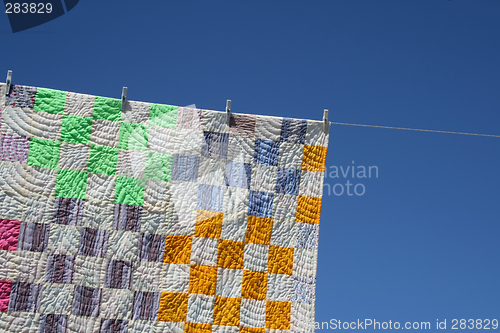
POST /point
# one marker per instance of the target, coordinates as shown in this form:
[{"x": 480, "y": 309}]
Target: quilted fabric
[{"x": 155, "y": 219}]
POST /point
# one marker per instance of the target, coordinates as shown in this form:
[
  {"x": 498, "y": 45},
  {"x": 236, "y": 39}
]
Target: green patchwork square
[
  {"x": 133, "y": 136},
  {"x": 76, "y": 129},
  {"x": 102, "y": 160},
  {"x": 129, "y": 191},
  {"x": 107, "y": 108},
  {"x": 44, "y": 153},
  {"x": 71, "y": 184},
  {"x": 49, "y": 100},
  {"x": 163, "y": 115},
  {"x": 158, "y": 167}
]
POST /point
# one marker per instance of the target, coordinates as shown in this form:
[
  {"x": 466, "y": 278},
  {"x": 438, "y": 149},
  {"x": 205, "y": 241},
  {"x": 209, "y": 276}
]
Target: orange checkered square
[
  {"x": 259, "y": 230},
  {"x": 280, "y": 260},
  {"x": 254, "y": 285},
  {"x": 173, "y": 307},
  {"x": 314, "y": 158},
  {"x": 197, "y": 328},
  {"x": 278, "y": 315},
  {"x": 308, "y": 210},
  {"x": 227, "y": 311},
  {"x": 230, "y": 254},
  {"x": 202, "y": 280},
  {"x": 178, "y": 249},
  {"x": 208, "y": 224}
]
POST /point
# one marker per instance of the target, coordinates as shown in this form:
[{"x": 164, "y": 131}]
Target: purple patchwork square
[
  {"x": 113, "y": 326},
  {"x": 304, "y": 289},
  {"x": 151, "y": 247},
  {"x": 210, "y": 197},
  {"x": 60, "y": 268},
  {"x": 33, "y": 237},
  {"x": 185, "y": 168},
  {"x": 238, "y": 174},
  {"x": 266, "y": 152},
  {"x": 21, "y": 96},
  {"x": 68, "y": 211},
  {"x": 25, "y": 297},
  {"x": 260, "y": 204},
  {"x": 288, "y": 181},
  {"x": 145, "y": 305},
  {"x": 293, "y": 130},
  {"x": 93, "y": 242},
  {"x": 14, "y": 148},
  {"x": 118, "y": 274},
  {"x": 307, "y": 236},
  {"x": 242, "y": 124},
  {"x": 53, "y": 323},
  {"x": 127, "y": 217},
  {"x": 86, "y": 301},
  {"x": 215, "y": 145},
  {"x": 188, "y": 118}
]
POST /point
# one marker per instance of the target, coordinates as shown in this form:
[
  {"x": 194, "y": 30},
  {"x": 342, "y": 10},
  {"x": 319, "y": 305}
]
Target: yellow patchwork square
[
  {"x": 254, "y": 285},
  {"x": 278, "y": 315},
  {"x": 230, "y": 254},
  {"x": 173, "y": 307},
  {"x": 227, "y": 311},
  {"x": 208, "y": 224},
  {"x": 202, "y": 280},
  {"x": 314, "y": 158},
  {"x": 259, "y": 230},
  {"x": 197, "y": 328},
  {"x": 280, "y": 260},
  {"x": 308, "y": 210},
  {"x": 178, "y": 249}
]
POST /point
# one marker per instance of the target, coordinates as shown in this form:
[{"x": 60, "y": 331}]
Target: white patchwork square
[
  {"x": 116, "y": 303},
  {"x": 80, "y": 105},
  {"x": 290, "y": 155},
  {"x": 157, "y": 196},
  {"x": 131, "y": 163},
  {"x": 184, "y": 195},
  {"x": 200, "y": 309},
  {"x": 204, "y": 251},
  {"x": 235, "y": 199},
  {"x": 264, "y": 178},
  {"x": 214, "y": 121},
  {"x": 283, "y": 233},
  {"x": 229, "y": 282},
  {"x": 165, "y": 326},
  {"x": 23, "y": 266},
  {"x": 105, "y": 132},
  {"x": 234, "y": 226},
  {"x": 45, "y": 125},
  {"x": 279, "y": 287},
  {"x": 73, "y": 156},
  {"x": 39, "y": 181},
  {"x": 16, "y": 121},
  {"x": 98, "y": 214},
  {"x": 57, "y": 298},
  {"x": 12, "y": 206},
  {"x": 122, "y": 245},
  {"x": 39, "y": 210},
  {"x": 268, "y": 128},
  {"x": 211, "y": 171},
  {"x": 241, "y": 149},
  {"x": 252, "y": 313},
  {"x": 305, "y": 262},
  {"x": 256, "y": 257},
  {"x": 63, "y": 239},
  {"x": 175, "y": 279},
  {"x": 154, "y": 223},
  {"x": 181, "y": 222},
  {"x": 188, "y": 142},
  {"x": 78, "y": 324},
  {"x": 89, "y": 271},
  {"x": 302, "y": 317},
  {"x": 316, "y": 134},
  {"x": 100, "y": 187},
  {"x": 162, "y": 140},
  {"x": 136, "y": 112},
  {"x": 225, "y": 329},
  {"x": 284, "y": 206},
  {"x": 311, "y": 184},
  {"x": 140, "y": 326},
  {"x": 148, "y": 275}
]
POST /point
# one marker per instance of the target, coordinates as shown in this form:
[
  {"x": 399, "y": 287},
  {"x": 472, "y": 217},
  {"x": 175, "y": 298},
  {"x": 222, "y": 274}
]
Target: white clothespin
[
  {"x": 124, "y": 97},
  {"x": 8, "y": 81},
  {"x": 326, "y": 123},
  {"x": 228, "y": 111}
]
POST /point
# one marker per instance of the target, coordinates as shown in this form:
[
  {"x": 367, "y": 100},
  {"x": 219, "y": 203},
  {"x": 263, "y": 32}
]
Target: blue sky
[{"x": 422, "y": 243}]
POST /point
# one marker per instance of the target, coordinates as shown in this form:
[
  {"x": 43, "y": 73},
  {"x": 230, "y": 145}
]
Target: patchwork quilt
[{"x": 156, "y": 218}]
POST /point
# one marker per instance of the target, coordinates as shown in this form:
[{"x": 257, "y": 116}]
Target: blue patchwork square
[
  {"x": 215, "y": 145},
  {"x": 293, "y": 130},
  {"x": 185, "y": 168},
  {"x": 304, "y": 289},
  {"x": 266, "y": 152},
  {"x": 288, "y": 181},
  {"x": 238, "y": 174},
  {"x": 210, "y": 197},
  {"x": 307, "y": 236},
  {"x": 260, "y": 204}
]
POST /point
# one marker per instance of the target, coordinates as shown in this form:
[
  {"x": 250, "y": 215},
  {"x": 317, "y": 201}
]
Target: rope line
[{"x": 416, "y": 129}]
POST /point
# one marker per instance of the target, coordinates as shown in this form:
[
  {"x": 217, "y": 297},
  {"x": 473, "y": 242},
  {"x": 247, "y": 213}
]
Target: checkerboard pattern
[{"x": 155, "y": 219}]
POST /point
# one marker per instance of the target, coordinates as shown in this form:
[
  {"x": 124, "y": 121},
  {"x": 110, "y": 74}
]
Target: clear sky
[{"x": 423, "y": 242}]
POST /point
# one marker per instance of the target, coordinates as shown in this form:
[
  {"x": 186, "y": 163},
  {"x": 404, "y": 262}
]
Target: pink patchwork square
[
  {"x": 5, "y": 287},
  {"x": 14, "y": 148},
  {"x": 9, "y": 233}
]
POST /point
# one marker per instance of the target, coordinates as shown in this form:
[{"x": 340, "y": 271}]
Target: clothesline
[{"x": 415, "y": 129}]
